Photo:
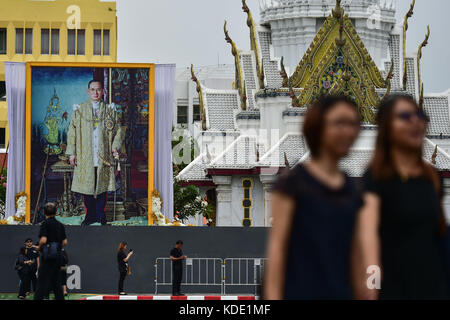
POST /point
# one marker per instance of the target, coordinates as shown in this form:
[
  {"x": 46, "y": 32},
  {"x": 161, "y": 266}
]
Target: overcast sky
[{"x": 191, "y": 31}]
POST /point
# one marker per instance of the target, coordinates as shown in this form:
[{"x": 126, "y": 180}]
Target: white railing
[{"x": 214, "y": 273}]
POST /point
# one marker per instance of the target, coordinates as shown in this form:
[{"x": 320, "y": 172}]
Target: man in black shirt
[
  {"x": 32, "y": 254},
  {"x": 177, "y": 257},
  {"x": 52, "y": 239}
]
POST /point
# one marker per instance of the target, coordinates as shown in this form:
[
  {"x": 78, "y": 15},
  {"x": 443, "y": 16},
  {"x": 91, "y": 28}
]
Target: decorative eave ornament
[
  {"x": 286, "y": 80},
  {"x": 405, "y": 28},
  {"x": 238, "y": 71},
  {"x": 200, "y": 97},
  {"x": 419, "y": 57},
  {"x": 254, "y": 44},
  {"x": 338, "y": 62},
  {"x": 434, "y": 155},
  {"x": 389, "y": 77}
]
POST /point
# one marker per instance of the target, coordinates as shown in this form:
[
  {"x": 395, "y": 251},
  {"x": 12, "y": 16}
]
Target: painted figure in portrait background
[
  {"x": 51, "y": 123},
  {"x": 93, "y": 144}
]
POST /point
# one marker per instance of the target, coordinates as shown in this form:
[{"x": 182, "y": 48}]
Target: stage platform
[{"x": 92, "y": 254}]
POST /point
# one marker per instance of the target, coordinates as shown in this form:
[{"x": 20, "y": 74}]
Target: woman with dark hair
[
  {"x": 313, "y": 208},
  {"x": 401, "y": 223},
  {"x": 122, "y": 260}
]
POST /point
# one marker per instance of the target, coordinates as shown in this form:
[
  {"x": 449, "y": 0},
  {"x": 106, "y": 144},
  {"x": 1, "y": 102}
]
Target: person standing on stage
[
  {"x": 401, "y": 228},
  {"x": 94, "y": 140},
  {"x": 122, "y": 260},
  {"x": 53, "y": 238},
  {"x": 177, "y": 257},
  {"x": 33, "y": 255}
]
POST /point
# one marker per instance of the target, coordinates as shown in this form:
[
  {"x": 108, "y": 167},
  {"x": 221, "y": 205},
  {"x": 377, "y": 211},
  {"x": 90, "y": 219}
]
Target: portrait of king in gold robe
[{"x": 94, "y": 141}]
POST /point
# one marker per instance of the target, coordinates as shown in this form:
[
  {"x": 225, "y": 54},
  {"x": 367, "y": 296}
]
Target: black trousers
[
  {"x": 33, "y": 281},
  {"x": 25, "y": 282},
  {"x": 49, "y": 279},
  {"x": 122, "y": 276},
  {"x": 177, "y": 276},
  {"x": 95, "y": 208}
]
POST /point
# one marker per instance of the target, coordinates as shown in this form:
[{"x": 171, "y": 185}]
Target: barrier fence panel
[
  {"x": 197, "y": 272},
  {"x": 243, "y": 274}
]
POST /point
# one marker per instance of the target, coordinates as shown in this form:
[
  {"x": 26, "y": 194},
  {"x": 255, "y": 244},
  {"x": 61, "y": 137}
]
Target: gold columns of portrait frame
[{"x": 151, "y": 123}]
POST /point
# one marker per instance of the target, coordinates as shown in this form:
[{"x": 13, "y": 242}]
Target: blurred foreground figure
[
  {"x": 401, "y": 225},
  {"x": 313, "y": 209}
]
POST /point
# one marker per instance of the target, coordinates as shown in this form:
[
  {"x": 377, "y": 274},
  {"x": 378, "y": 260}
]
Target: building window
[
  {"x": 2, "y": 91},
  {"x": 247, "y": 202},
  {"x": 80, "y": 41},
  {"x": 182, "y": 114},
  {"x": 3, "y": 33},
  {"x": 106, "y": 42},
  {"x": 55, "y": 41},
  {"x": 196, "y": 114},
  {"x": 76, "y": 39},
  {"x": 98, "y": 45},
  {"x": 19, "y": 41},
  {"x": 28, "y": 41},
  {"x": 2, "y": 138},
  {"x": 97, "y": 42},
  {"x": 45, "y": 41}
]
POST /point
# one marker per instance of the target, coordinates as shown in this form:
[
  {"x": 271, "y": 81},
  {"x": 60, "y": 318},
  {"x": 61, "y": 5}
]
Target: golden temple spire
[
  {"x": 200, "y": 97},
  {"x": 240, "y": 85},
  {"x": 287, "y": 83},
  {"x": 389, "y": 77},
  {"x": 405, "y": 28},
  {"x": 434, "y": 156},
  {"x": 254, "y": 44},
  {"x": 419, "y": 56}
]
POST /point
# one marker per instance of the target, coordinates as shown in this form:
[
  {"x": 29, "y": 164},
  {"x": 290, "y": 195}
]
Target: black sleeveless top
[
  {"x": 412, "y": 250},
  {"x": 318, "y": 257}
]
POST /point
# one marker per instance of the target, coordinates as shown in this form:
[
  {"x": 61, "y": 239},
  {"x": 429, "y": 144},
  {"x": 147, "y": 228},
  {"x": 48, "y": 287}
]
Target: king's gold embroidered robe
[{"x": 80, "y": 144}]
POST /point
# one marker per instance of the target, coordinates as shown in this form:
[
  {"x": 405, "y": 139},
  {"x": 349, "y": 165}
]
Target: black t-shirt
[
  {"x": 53, "y": 230},
  {"x": 33, "y": 254},
  {"x": 176, "y": 253},
  {"x": 123, "y": 266},
  {"x": 318, "y": 255}
]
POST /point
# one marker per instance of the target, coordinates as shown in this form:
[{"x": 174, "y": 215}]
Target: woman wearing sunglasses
[{"x": 401, "y": 225}]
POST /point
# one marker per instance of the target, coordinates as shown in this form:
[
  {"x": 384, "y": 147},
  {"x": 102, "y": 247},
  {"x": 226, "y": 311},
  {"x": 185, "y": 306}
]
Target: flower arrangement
[
  {"x": 158, "y": 217},
  {"x": 21, "y": 209}
]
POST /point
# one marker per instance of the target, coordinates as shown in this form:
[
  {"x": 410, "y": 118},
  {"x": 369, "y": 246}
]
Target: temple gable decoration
[{"x": 337, "y": 62}]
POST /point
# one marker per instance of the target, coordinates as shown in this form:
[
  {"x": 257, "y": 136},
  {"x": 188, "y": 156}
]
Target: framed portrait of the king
[{"x": 90, "y": 142}]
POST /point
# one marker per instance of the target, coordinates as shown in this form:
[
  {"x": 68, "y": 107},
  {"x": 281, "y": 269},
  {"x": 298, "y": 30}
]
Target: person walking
[
  {"x": 401, "y": 227},
  {"x": 314, "y": 206},
  {"x": 122, "y": 260},
  {"x": 177, "y": 257},
  {"x": 52, "y": 235}
]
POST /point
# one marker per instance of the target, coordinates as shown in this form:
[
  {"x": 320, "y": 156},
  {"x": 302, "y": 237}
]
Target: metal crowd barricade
[
  {"x": 200, "y": 272},
  {"x": 243, "y": 273}
]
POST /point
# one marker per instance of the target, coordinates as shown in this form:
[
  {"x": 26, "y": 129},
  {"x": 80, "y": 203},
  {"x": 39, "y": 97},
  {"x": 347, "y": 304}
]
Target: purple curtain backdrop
[{"x": 15, "y": 77}]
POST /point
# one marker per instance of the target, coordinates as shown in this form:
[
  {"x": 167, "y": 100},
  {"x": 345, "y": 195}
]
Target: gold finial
[
  {"x": 338, "y": 12},
  {"x": 389, "y": 77},
  {"x": 200, "y": 97},
  {"x": 419, "y": 57},
  {"x": 287, "y": 83},
  {"x": 405, "y": 28},
  {"x": 237, "y": 64},
  {"x": 434, "y": 156},
  {"x": 254, "y": 44},
  {"x": 286, "y": 161},
  {"x": 340, "y": 42}
]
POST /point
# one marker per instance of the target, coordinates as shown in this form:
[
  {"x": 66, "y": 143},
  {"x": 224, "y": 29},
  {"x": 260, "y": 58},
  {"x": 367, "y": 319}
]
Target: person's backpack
[{"x": 51, "y": 251}]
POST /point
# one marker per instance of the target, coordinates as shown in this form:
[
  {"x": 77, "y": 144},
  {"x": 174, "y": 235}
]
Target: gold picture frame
[{"x": 151, "y": 123}]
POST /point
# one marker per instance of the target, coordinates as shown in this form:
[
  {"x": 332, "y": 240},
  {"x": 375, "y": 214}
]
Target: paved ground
[{"x": 13, "y": 296}]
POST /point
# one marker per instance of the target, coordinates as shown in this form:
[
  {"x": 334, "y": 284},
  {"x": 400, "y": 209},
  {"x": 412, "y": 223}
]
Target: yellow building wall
[{"x": 48, "y": 14}]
